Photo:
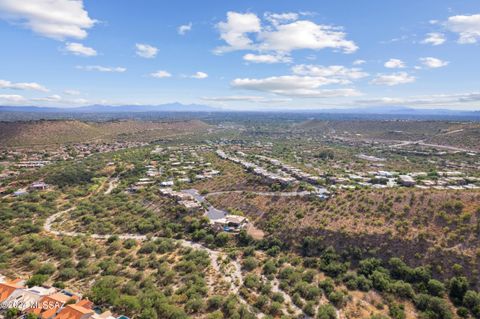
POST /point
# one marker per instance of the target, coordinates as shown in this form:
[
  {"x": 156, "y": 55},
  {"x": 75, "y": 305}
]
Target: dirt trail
[{"x": 235, "y": 278}]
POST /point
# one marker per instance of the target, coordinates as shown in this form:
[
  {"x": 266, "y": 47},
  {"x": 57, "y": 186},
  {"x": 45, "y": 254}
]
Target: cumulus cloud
[
  {"x": 13, "y": 98},
  {"x": 393, "y": 79},
  {"x": 359, "y": 62},
  {"x": 338, "y": 72},
  {"x": 160, "y": 74},
  {"x": 244, "y": 31},
  {"x": 267, "y": 58},
  {"x": 51, "y": 98},
  {"x": 199, "y": 75},
  {"x": 304, "y": 34},
  {"x": 183, "y": 29},
  {"x": 294, "y": 86},
  {"x": 235, "y": 31},
  {"x": 80, "y": 49},
  {"x": 57, "y": 19},
  {"x": 394, "y": 64},
  {"x": 277, "y": 18},
  {"x": 71, "y": 92},
  {"x": 54, "y": 99},
  {"x": 100, "y": 68},
  {"x": 433, "y": 63},
  {"x": 4, "y": 84},
  {"x": 146, "y": 51},
  {"x": 434, "y": 38},
  {"x": 466, "y": 26}
]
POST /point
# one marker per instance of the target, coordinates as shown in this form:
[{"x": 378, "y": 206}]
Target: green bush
[
  {"x": 436, "y": 288},
  {"x": 326, "y": 311},
  {"x": 36, "y": 280},
  {"x": 458, "y": 286}
]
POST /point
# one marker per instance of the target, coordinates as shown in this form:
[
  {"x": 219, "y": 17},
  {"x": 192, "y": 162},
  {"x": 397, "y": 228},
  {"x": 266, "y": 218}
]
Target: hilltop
[{"x": 46, "y": 132}]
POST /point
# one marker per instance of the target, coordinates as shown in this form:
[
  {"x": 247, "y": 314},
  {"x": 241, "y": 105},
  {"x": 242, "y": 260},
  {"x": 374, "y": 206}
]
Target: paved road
[{"x": 279, "y": 194}]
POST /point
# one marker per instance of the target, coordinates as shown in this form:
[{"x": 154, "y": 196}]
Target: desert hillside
[{"x": 71, "y": 131}]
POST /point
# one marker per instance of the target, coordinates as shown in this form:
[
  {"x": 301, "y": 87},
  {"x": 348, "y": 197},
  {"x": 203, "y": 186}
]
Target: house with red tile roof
[
  {"x": 25, "y": 298},
  {"x": 8, "y": 288},
  {"x": 81, "y": 310},
  {"x": 49, "y": 306}
]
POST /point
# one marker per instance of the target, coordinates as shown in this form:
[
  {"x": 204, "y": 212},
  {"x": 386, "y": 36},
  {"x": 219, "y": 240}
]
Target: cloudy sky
[{"x": 248, "y": 55}]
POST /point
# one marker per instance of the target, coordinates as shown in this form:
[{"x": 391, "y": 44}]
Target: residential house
[
  {"x": 406, "y": 180},
  {"x": 231, "y": 223},
  {"x": 7, "y": 288},
  {"x": 81, "y": 310},
  {"x": 24, "y": 298},
  {"x": 49, "y": 306},
  {"x": 38, "y": 186}
]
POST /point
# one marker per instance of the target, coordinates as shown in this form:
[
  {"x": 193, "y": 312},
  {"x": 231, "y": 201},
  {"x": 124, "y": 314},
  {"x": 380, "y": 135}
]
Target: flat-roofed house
[
  {"x": 38, "y": 186},
  {"x": 406, "y": 180},
  {"x": 230, "y": 223}
]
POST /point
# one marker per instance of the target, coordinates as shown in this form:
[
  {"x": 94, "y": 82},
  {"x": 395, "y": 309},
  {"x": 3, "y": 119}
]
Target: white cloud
[
  {"x": 393, "y": 79},
  {"x": 235, "y": 31},
  {"x": 80, "y": 49},
  {"x": 13, "y": 98},
  {"x": 57, "y": 19},
  {"x": 433, "y": 63},
  {"x": 339, "y": 72},
  {"x": 22, "y": 86},
  {"x": 359, "y": 62},
  {"x": 294, "y": 86},
  {"x": 304, "y": 34},
  {"x": 199, "y": 75},
  {"x": 244, "y": 98},
  {"x": 146, "y": 51},
  {"x": 160, "y": 74},
  {"x": 183, "y": 29},
  {"x": 446, "y": 100},
  {"x": 434, "y": 38},
  {"x": 282, "y": 35},
  {"x": 71, "y": 92},
  {"x": 467, "y": 27},
  {"x": 394, "y": 64},
  {"x": 100, "y": 68},
  {"x": 276, "y": 18},
  {"x": 80, "y": 101},
  {"x": 51, "y": 98},
  {"x": 267, "y": 58}
]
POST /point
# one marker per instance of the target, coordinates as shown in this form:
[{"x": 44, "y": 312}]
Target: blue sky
[{"x": 248, "y": 55}]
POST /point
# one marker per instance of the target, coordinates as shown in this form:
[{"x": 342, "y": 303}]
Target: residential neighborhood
[{"x": 45, "y": 302}]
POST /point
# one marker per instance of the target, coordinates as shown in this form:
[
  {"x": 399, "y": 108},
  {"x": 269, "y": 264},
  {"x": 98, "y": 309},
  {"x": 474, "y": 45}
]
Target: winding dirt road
[{"x": 234, "y": 278}]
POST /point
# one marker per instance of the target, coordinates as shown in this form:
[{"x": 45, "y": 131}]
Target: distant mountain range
[
  {"x": 179, "y": 107},
  {"x": 170, "y": 107},
  {"x": 392, "y": 110}
]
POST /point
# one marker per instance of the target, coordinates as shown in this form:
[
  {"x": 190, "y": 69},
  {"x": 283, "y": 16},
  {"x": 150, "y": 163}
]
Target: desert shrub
[
  {"x": 326, "y": 311},
  {"x": 435, "y": 288},
  {"x": 458, "y": 286},
  {"x": 249, "y": 264}
]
